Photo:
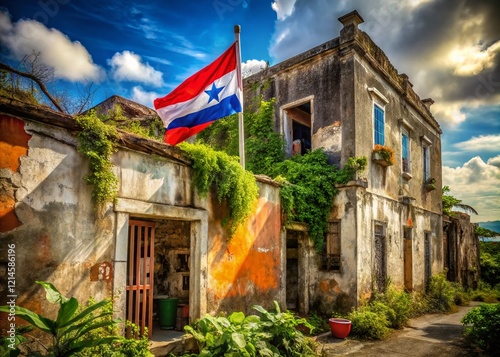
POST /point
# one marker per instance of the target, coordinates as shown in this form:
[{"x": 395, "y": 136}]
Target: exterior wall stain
[{"x": 13, "y": 145}]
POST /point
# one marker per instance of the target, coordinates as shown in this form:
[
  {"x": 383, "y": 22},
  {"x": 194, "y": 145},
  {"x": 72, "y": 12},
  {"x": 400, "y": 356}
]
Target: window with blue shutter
[
  {"x": 378, "y": 125},
  {"x": 427, "y": 163},
  {"x": 405, "y": 143}
]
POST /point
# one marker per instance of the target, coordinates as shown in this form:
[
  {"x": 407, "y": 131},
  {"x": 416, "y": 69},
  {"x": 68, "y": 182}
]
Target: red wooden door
[{"x": 140, "y": 276}]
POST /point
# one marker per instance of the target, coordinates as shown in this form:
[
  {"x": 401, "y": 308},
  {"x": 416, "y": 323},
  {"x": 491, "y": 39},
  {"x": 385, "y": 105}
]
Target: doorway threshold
[{"x": 164, "y": 342}]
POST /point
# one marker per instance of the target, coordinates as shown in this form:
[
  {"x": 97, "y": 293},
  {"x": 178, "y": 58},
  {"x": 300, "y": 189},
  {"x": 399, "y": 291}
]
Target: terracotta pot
[{"x": 340, "y": 327}]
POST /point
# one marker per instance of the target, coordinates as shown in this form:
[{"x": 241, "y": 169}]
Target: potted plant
[
  {"x": 383, "y": 155},
  {"x": 430, "y": 184},
  {"x": 340, "y": 328}
]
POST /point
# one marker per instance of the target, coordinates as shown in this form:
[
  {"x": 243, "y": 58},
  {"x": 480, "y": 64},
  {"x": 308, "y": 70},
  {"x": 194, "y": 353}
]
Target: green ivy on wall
[
  {"x": 309, "y": 189},
  {"x": 308, "y": 181},
  {"x": 234, "y": 185},
  {"x": 97, "y": 141}
]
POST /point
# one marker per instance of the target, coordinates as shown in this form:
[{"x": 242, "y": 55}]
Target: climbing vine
[
  {"x": 97, "y": 143},
  {"x": 308, "y": 181},
  {"x": 309, "y": 189},
  {"x": 234, "y": 185}
]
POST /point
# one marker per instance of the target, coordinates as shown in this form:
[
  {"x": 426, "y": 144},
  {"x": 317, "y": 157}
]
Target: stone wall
[{"x": 462, "y": 251}]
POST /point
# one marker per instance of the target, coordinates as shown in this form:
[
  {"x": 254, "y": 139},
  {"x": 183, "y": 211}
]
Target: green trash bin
[{"x": 168, "y": 313}]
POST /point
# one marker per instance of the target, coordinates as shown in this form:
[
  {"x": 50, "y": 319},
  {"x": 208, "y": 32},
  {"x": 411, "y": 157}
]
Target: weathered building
[
  {"x": 345, "y": 96},
  {"x": 158, "y": 239}
]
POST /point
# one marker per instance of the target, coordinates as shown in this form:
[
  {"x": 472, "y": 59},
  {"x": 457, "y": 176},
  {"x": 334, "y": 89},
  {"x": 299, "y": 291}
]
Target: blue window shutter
[
  {"x": 379, "y": 125},
  {"x": 405, "y": 146}
]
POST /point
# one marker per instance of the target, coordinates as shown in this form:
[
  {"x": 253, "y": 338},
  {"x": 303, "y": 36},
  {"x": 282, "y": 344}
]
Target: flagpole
[{"x": 241, "y": 129}]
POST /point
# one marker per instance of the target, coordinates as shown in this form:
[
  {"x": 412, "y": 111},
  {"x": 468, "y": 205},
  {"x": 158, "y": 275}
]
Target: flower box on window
[{"x": 383, "y": 155}]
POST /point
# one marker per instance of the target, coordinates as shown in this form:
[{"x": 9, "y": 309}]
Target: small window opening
[{"x": 300, "y": 117}]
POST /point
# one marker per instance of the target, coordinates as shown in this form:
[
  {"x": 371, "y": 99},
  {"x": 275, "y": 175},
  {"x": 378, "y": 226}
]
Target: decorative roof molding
[{"x": 374, "y": 92}]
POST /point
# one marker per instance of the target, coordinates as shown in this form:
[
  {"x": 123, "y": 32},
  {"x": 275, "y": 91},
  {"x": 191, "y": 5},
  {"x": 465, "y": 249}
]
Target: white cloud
[
  {"x": 128, "y": 66},
  {"x": 473, "y": 59},
  {"x": 490, "y": 143},
  {"x": 70, "y": 60},
  {"x": 494, "y": 161},
  {"x": 283, "y": 8},
  {"x": 252, "y": 66},
  {"x": 477, "y": 184},
  {"x": 143, "y": 97}
]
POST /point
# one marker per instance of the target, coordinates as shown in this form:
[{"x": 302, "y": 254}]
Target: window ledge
[{"x": 406, "y": 175}]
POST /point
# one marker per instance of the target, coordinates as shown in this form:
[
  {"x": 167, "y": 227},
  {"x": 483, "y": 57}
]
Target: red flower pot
[{"x": 340, "y": 327}]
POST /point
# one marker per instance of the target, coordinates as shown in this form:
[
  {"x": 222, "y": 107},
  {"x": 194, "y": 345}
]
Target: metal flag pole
[{"x": 241, "y": 130}]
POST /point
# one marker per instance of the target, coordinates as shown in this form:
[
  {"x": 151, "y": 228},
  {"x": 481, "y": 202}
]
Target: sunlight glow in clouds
[
  {"x": 128, "y": 66},
  {"x": 70, "y": 60},
  {"x": 471, "y": 60}
]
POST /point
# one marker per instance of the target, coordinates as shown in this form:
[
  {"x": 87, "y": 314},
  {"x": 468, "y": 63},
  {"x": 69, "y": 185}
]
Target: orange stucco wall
[
  {"x": 13, "y": 145},
  {"x": 247, "y": 267}
]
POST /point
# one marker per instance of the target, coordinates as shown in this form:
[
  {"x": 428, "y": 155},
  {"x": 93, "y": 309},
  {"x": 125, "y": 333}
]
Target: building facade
[{"x": 345, "y": 97}]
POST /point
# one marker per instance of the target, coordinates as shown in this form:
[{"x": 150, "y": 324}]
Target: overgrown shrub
[
  {"x": 485, "y": 293},
  {"x": 441, "y": 295},
  {"x": 319, "y": 323},
  {"x": 399, "y": 304},
  {"x": 482, "y": 326},
  {"x": 490, "y": 262},
  {"x": 368, "y": 324}
]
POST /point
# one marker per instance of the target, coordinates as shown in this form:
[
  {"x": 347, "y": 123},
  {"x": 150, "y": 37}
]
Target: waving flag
[{"x": 206, "y": 96}]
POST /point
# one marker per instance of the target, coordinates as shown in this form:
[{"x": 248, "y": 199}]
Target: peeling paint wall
[
  {"x": 246, "y": 269},
  {"x": 60, "y": 239},
  {"x": 57, "y": 238}
]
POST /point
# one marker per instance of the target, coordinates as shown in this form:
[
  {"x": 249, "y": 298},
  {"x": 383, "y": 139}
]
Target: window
[
  {"x": 378, "y": 114},
  {"x": 331, "y": 260},
  {"x": 297, "y": 127},
  {"x": 427, "y": 162},
  {"x": 405, "y": 151}
]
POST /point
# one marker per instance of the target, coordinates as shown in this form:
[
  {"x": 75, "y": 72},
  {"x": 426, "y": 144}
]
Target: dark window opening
[
  {"x": 300, "y": 122},
  {"x": 331, "y": 260}
]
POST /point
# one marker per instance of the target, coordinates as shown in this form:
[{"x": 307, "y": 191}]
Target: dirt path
[{"x": 429, "y": 335}]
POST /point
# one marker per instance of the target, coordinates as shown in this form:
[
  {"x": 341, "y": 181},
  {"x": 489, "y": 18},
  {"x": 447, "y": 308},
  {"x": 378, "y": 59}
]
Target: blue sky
[{"x": 449, "y": 49}]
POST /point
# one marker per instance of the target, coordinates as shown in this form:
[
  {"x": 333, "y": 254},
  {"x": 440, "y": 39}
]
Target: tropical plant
[
  {"x": 450, "y": 202},
  {"x": 70, "y": 329},
  {"x": 282, "y": 326},
  {"x": 270, "y": 334}
]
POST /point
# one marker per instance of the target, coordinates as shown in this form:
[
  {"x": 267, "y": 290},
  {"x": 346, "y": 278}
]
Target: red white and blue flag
[{"x": 206, "y": 96}]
